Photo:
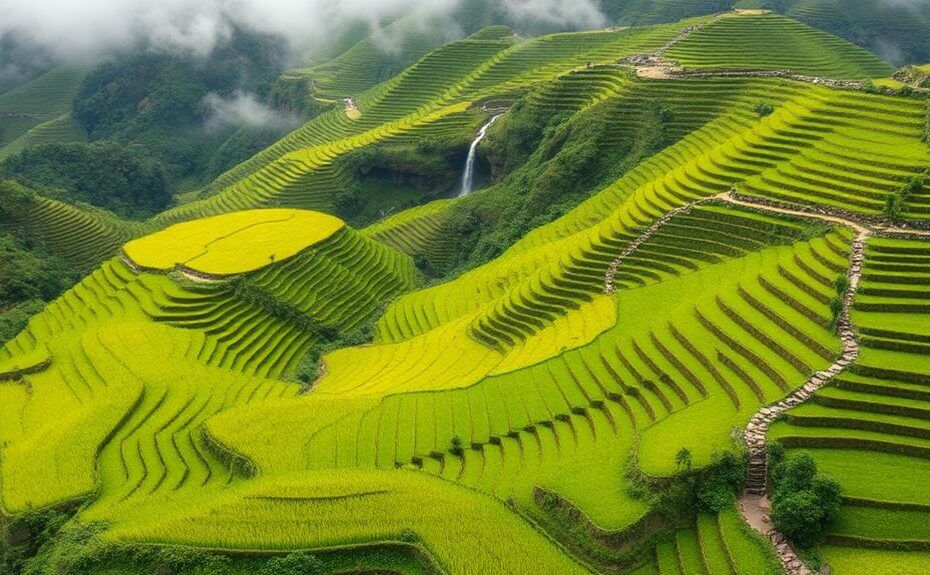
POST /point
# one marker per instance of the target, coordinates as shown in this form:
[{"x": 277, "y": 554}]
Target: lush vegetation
[
  {"x": 558, "y": 365},
  {"x": 898, "y": 32},
  {"x": 156, "y": 102},
  {"x": 108, "y": 175},
  {"x": 804, "y": 502}
]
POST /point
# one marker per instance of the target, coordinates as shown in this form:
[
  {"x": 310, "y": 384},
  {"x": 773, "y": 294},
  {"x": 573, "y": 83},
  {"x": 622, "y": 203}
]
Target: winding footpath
[
  {"x": 754, "y": 503},
  {"x": 611, "y": 274}
]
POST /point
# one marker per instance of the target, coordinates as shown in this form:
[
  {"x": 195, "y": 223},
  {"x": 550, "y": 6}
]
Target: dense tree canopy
[{"x": 104, "y": 174}]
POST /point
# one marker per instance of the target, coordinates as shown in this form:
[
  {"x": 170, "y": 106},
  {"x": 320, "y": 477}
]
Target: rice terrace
[{"x": 464, "y": 288}]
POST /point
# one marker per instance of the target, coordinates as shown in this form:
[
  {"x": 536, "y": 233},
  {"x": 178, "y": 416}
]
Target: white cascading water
[{"x": 469, "y": 176}]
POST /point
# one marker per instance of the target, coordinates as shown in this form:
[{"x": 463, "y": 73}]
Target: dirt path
[
  {"x": 351, "y": 109},
  {"x": 857, "y": 224},
  {"x": 643, "y": 237},
  {"x": 754, "y": 503},
  {"x": 655, "y": 66},
  {"x": 731, "y": 199}
]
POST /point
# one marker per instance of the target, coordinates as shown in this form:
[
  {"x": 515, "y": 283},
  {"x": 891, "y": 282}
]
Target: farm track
[
  {"x": 656, "y": 66},
  {"x": 754, "y": 504},
  {"x": 642, "y": 238}
]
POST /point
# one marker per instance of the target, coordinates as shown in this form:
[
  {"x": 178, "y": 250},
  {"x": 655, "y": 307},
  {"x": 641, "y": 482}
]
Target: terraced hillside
[
  {"x": 40, "y": 111},
  {"x": 432, "y": 96},
  {"x": 82, "y": 235},
  {"x": 900, "y": 31},
  {"x": 866, "y": 427},
  {"x": 98, "y": 354},
  {"x": 550, "y": 403},
  {"x": 769, "y": 41}
]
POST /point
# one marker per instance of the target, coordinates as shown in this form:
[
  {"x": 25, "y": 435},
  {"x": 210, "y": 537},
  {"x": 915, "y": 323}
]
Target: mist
[
  {"x": 576, "y": 14},
  {"x": 910, "y": 4},
  {"x": 90, "y": 29},
  {"x": 244, "y": 110}
]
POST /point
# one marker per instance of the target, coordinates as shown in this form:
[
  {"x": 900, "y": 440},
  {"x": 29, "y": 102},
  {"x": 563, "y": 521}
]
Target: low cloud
[
  {"x": 244, "y": 110},
  {"x": 91, "y": 28},
  {"x": 888, "y": 51},
  {"x": 911, "y": 4},
  {"x": 579, "y": 14}
]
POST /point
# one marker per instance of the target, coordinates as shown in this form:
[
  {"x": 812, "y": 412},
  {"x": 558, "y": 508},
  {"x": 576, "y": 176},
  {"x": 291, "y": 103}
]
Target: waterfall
[{"x": 469, "y": 175}]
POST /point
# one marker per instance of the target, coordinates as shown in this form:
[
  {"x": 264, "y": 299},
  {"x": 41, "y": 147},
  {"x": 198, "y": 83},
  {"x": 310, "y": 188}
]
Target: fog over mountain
[{"x": 88, "y": 29}]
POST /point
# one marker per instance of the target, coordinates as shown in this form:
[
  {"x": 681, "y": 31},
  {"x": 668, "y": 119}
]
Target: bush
[
  {"x": 894, "y": 207},
  {"x": 765, "y": 109},
  {"x": 799, "y": 516},
  {"x": 836, "y": 308},
  {"x": 841, "y": 284},
  {"x": 805, "y": 502},
  {"x": 456, "y": 448},
  {"x": 718, "y": 485},
  {"x": 896, "y": 202}
]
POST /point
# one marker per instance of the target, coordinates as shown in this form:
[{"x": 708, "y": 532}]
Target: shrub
[
  {"x": 841, "y": 284},
  {"x": 775, "y": 452},
  {"x": 798, "y": 515},
  {"x": 456, "y": 448},
  {"x": 836, "y": 308},
  {"x": 894, "y": 207},
  {"x": 896, "y": 202},
  {"x": 683, "y": 458},
  {"x": 718, "y": 485},
  {"x": 804, "y": 502},
  {"x": 765, "y": 109},
  {"x": 294, "y": 564}
]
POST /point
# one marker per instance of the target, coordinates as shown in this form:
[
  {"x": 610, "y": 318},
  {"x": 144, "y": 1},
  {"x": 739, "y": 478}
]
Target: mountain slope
[{"x": 538, "y": 403}]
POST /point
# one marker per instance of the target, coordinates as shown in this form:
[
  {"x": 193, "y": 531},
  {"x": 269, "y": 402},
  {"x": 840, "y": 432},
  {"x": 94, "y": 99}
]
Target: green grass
[
  {"x": 869, "y": 429},
  {"x": 359, "y": 507}
]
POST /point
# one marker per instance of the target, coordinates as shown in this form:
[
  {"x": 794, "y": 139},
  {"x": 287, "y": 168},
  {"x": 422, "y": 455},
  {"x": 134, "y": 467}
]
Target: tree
[
  {"x": 796, "y": 473},
  {"x": 799, "y": 516},
  {"x": 683, "y": 458},
  {"x": 119, "y": 178},
  {"x": 804, "y": 502},
  {"x": 829, "y": 493}
]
